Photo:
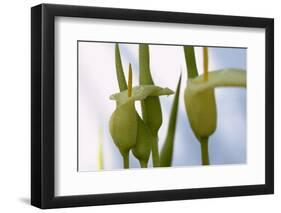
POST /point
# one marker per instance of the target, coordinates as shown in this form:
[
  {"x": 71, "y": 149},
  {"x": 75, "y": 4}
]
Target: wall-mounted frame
[{"x": 68, "y": 43}]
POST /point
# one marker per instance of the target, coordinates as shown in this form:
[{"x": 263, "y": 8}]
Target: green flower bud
[
  {"x": 143, "y": 143},
  {"x": 199, "y": 96},
  {"x": 123, "y": 126},
  {"x": 201, "y": 111},
  {"x": 200, "y": 100},
  {"x": 126, "y": 127}
]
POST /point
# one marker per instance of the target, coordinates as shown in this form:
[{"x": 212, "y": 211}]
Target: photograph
[
  {"x": 137, "y": 105},
  {"x": 147, "y": 105}
]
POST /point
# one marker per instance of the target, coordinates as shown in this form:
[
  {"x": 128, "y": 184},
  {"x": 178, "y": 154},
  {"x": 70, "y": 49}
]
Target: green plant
[
  {"x": 139, "y": 133},
  {"x": 168, "y": 147},
  {"x": 199, "y": 96},
  {"x": 128, "y": 130}
]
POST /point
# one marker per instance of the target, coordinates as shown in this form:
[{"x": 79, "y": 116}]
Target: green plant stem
[
  {"x": 126, "y": 160},
  {"x": 190, "y": 61},
  {"x": 155, "y": 153},
  {"x": 204, "y": 151}
]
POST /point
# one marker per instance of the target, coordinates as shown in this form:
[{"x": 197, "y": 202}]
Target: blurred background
[{"x": 97, "y": 81}]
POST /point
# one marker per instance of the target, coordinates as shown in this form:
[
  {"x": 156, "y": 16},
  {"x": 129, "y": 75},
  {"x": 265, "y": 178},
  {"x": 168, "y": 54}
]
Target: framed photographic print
[{"x": 139, "y": 106}]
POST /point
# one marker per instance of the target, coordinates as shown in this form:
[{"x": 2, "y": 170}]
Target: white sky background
[{"x": 97, "y": 81}]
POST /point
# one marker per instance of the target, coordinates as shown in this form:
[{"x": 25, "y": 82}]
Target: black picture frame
[{"x": 43, "y": 100}]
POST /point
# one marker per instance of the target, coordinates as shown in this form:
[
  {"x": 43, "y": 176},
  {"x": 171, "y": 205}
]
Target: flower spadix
[{"x": 126, "y": 127}]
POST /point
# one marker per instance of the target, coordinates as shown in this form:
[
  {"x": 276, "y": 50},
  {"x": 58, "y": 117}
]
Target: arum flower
[
  {"x": 150, "y": 107},
  {"x": 152, "y": 113},
  {"x": 199, "y": 97},
  {"x": 127, "y": 129}
]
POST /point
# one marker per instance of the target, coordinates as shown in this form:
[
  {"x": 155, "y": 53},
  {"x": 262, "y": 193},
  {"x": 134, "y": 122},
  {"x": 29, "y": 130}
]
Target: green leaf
[
  {"x": 119, "y": 70},
  {"x": 190, "y": 62},
  {"x": 168, "y": 147}
]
